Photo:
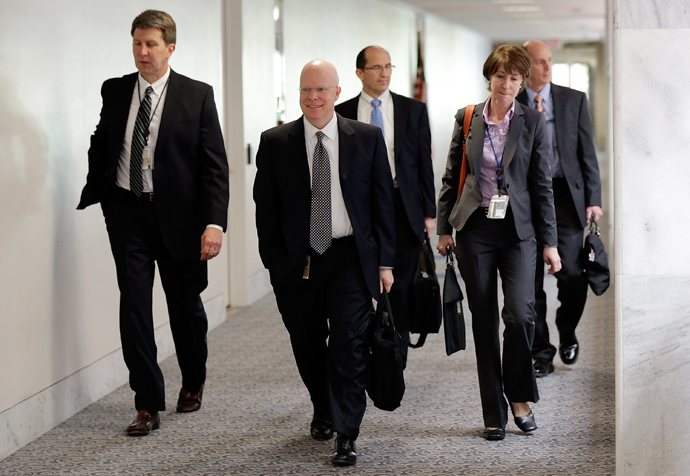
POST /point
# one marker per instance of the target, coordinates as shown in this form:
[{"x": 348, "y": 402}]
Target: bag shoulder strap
[{"x": 469, "y": 112}]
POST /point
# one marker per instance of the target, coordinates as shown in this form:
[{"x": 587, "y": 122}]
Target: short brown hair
[
  {"x": 157, "y": 19},
  {"x": 513, "y": 58}
]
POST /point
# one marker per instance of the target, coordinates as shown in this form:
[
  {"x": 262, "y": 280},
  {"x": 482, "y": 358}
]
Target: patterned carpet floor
[{"x": 255, "y": 416}]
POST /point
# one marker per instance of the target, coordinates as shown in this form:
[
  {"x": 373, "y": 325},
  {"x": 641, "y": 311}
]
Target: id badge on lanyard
[
  {"x": 146, "y": 158},
  {"x": 498, "y": 206}
]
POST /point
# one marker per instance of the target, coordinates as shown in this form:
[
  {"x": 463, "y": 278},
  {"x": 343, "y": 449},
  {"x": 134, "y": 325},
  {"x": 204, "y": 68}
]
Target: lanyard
[
  {"x": 157, "y": 103},
  {"x": 499, "y": 165}
]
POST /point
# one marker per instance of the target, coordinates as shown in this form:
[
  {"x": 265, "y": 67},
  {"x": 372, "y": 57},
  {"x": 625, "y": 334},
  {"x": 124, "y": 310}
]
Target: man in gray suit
[{"x": 577, "y": 198}]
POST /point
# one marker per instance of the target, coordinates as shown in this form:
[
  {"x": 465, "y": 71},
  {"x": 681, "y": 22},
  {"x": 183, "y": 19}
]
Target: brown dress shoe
[
  {"x": 188, "y": 401},
  {"x": 144, "y": 423}
]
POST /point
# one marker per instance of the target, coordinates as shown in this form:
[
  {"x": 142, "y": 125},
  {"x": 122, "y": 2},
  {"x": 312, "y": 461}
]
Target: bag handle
[
  {"x": 594, "y": 228},
  {"x": 466, "y": 123},
  {"x": 449, "y": 257},
  {"x": 384, "y": 305}
]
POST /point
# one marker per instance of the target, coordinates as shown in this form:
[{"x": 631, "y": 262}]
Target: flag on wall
[{"x": 420, "y": 83}]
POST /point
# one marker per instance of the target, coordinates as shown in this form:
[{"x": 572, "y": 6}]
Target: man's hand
[
  {"x": 385, "y": 280},
  {"x": 594, "y": 211},
  {"x": 553, "y": 259},
  {"x": 443, "y": 242},
  {"x": 429, "y": 225},
  {"x": 211, "y": 242}
]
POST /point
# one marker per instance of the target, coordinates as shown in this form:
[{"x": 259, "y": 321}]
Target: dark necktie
[
  {"x": 376, "y": 117},
  {"x": 140, "y": 137},
  {"x": 320, "y": 226},
  {"x": 538, "y": 103}
]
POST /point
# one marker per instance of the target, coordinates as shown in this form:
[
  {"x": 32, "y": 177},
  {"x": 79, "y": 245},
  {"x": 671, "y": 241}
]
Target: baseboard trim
[{"x": 42, "y": 412}]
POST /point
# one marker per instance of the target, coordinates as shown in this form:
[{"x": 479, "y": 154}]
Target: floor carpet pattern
[{"x": 256, "y": 413}]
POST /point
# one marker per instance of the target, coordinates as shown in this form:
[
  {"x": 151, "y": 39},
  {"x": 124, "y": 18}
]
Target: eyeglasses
[
  {"x": 378, "y": 68},
  {"x": 318, "y": 90}
]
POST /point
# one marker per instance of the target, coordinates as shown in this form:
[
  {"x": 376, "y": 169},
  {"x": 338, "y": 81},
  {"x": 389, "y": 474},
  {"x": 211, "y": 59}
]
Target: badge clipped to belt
[{"x": 498, "y": 206}]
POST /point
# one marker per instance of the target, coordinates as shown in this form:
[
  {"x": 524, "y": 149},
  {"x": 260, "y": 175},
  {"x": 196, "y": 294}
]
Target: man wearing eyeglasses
[
  {"x": 405, "y": 125},
  {"x": 324, "y": 217}
]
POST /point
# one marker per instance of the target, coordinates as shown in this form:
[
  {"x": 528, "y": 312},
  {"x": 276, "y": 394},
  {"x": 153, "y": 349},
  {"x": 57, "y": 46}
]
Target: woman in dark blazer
[{"x": 506, "y": 202}]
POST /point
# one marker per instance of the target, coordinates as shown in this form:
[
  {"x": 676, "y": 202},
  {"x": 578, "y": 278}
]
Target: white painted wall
[{"x": 58, "y": 293}]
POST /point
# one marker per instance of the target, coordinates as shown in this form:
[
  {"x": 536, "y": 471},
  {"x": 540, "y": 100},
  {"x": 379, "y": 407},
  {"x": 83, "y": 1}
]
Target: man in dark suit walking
[
  {"x": 577, "y": 198},
  {"x": 324, "y": 217},
  {"x": 157, "y": 165},
  {"x": 405, "y": 125}
]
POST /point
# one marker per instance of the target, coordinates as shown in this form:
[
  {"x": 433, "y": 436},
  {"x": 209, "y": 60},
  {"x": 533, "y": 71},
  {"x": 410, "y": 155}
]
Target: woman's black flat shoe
[
  {"x": 526, "y": 423},
  {"x": 494, "y": 434}
]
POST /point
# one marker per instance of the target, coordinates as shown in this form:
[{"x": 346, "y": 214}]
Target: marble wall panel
[
  {"x": 654, "y": 143},
  {"x": 654, "y": 14},
  {"x": 656, "y": 375}
]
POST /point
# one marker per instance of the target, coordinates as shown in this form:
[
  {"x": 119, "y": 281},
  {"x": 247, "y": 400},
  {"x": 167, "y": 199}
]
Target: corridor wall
[{"x": 59, "y": 336}]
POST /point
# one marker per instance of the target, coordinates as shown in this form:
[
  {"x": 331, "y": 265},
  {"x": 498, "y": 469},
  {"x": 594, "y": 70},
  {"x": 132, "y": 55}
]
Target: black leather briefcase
[
  {"x": 425, "y": 297},
  {"x": 385, "y": 380}
]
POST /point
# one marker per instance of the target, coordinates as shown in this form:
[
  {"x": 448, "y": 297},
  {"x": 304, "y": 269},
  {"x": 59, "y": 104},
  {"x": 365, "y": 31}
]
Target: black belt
[{"x": 144, "y": 197}]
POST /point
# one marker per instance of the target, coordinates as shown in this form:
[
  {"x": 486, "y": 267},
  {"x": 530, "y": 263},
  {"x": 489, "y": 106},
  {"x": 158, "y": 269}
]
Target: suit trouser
[
  {"x": 334, "y": 304},
  {"x": 572, "y": 289},
  {"x": 136, "y": 243},
  {"x": 407, "y": 249},
  {"x": 485, "y": 247}
]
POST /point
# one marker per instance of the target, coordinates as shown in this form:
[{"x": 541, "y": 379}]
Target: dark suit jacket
[
  {"x": 190, "y": 176},
  {"x": 527, "y": 176},
  {"x": 575, "y": 141},
  {"x": 413, "y": 166},
  {"x": 282, "y": 192}
]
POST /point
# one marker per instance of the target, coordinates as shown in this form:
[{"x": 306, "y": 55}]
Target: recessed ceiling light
[{"x": 521, "y": 8}]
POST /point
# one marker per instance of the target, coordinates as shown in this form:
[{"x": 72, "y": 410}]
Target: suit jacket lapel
[
  {"x": 347, "y": 149},
  {"x": 513, "y": 135},
  {"x": 475, "y": 140},
  {"x": 558, "y": 111},
  {"x": 400, "y": 115},
  {"x": 123, "y": 102},
  {"x": 172, "y": 101},
  {"x": 297, "y": 151}
]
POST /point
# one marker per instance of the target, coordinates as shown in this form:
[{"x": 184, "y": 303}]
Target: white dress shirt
[
  {"x": 340, "y": 220},
  {"x": 364, "y": 109},
  {"x": 157, "y": 99}
]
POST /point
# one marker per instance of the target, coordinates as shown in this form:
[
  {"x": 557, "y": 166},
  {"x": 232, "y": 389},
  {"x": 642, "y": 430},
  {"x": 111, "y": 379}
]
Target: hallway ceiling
[{"x": 517, "y": 20}]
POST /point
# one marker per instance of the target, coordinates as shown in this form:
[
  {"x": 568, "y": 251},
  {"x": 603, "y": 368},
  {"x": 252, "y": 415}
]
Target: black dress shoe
[
  {"x": 144, "y": 423},
  {"x": 525, "y": 423},
  {"x": 345, "y": 451},
  {"x": 543, "y": 367},
  {"x": 321, "y": 429},
  {"x": 569, "y": 350},
  {"x": 494, "y": 434}
]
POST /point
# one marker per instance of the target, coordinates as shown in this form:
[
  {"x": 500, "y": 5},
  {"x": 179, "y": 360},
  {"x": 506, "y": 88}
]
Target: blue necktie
[{"x": 376, "y": 117}]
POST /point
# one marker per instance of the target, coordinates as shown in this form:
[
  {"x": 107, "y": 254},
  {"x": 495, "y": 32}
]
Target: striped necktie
[
  {"x": 140, "y": 137},
  {"x": 539, "y": 103}
]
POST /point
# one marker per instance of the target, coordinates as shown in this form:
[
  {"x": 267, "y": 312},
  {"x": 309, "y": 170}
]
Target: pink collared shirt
[{"x": 499, "y": 135}]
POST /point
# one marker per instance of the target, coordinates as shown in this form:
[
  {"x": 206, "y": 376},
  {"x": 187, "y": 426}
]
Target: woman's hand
[
  {"x": 553, "y": 259},
  {"x": 443, "y": 242}
]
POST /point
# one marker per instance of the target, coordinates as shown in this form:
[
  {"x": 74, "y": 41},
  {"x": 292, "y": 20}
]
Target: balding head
[
  {"x": 319, "y": 91},
  {"x": 374, "y": 70},
  {"x": 541, "y": 64}
]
